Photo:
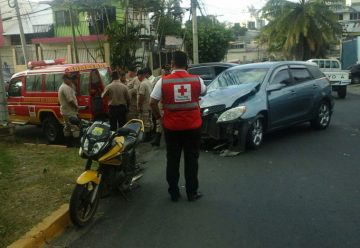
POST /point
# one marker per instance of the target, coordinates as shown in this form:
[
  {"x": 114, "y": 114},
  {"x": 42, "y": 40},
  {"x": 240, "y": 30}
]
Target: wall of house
[
  {"x": 89, "y": 52},
  {"x": 81, "y": 29}
]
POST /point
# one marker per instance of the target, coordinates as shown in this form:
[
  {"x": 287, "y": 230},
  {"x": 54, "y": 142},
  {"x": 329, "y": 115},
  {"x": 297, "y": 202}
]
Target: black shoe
[
  {"x": 194, "y": 197},
  {"x": 175, "y": 197}
]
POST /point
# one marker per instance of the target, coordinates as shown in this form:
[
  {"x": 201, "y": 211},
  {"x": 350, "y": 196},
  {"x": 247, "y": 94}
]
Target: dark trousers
[
  {"x": 117, "y": 116},
  {"x": 176, "y": 142}
]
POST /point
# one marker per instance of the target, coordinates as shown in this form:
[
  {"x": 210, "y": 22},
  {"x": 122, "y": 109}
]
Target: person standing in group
[
  {"x": 119, "y": 101},
  {"x": 143, "y": 106},
  {"x": 133, "y": 86},
  {"x": 123, "y": 78},
  {"x": 69, "y": 108},
  {"x": 179, "y": 92},
  {"x": 131, "y": 74},
  {"x": 166, "y": 70}
]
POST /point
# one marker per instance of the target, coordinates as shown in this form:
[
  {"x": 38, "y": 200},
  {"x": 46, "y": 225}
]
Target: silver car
[{"x": 246, "y": 101}]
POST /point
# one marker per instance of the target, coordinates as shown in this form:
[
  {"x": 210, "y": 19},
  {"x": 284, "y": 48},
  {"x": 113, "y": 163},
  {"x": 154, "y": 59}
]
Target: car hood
[{"x": 226, "y": 95}]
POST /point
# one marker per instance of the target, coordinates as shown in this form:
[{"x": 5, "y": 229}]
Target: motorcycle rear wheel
[{"x": 81, "y": 209}]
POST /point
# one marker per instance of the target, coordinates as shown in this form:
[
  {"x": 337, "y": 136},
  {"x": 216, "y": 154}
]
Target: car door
[
  {"x": 306, "y": 89},
  {"x": 18, "y": 112},
  {"x": 281, "y": 97},
  {"x": 83, "y": 95}
]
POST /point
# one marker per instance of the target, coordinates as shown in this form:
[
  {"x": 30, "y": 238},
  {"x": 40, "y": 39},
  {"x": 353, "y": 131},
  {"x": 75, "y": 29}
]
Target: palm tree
[{"x": 300, "y": 30}]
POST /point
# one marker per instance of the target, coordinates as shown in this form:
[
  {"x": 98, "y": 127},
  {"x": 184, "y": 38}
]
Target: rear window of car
[{"x": 315, "y": 72}]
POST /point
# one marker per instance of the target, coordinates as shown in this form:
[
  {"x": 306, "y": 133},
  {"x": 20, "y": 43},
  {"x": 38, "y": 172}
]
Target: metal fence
[
  {"x": 55, "y": 53},
  {"x": 91, "y": 55},
  {"x": 85, "y": 54},
  {"x": 30, "y": 54}
]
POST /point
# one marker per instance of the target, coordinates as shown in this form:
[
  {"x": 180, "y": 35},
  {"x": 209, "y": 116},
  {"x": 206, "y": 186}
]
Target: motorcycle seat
[
  {"x": 134, "y": 128},
  {"x": 129, "y": 143}
]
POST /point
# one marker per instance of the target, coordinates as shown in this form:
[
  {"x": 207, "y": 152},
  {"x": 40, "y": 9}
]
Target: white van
[{"x": 339, "y": 78}]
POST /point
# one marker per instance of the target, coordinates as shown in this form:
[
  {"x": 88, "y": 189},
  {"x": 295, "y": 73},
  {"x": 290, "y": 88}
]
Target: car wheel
[
  {"x": 341, "y": 92},
  {"x": 255, "y": 135},
  {"x": 52, "y": 129},
  {"x": 323, "y": 116}
]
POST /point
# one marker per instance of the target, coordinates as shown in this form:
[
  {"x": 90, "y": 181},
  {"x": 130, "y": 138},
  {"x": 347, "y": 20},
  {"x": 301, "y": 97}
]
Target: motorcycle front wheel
[{"x": 81, "y": 208}]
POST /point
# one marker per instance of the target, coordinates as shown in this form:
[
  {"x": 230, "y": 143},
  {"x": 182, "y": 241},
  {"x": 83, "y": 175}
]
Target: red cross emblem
[{"x": 182, "y": 90}]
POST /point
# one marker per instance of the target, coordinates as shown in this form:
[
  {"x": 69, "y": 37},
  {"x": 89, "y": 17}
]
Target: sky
[{"x": 227, "y": 10}]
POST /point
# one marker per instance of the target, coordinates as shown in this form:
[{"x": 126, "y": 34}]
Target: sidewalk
[{"x": 354, "y": 89}]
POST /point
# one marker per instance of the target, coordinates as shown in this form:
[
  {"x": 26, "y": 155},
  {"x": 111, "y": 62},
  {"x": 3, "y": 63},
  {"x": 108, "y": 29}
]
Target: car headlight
[{"x": 232, "y": 114}]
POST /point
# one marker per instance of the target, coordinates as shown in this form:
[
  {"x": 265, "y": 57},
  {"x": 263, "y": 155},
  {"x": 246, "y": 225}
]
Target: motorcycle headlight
[
  {"x": 232, "y": 114},
  {"x": 97, "y": 146}
]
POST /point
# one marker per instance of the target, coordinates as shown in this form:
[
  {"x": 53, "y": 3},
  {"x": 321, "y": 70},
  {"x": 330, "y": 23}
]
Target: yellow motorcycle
[{"x": 115, "y": 156}]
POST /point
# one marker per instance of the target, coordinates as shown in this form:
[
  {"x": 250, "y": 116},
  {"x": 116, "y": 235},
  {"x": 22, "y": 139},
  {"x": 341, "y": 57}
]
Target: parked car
[
  {"x": 209, "y": 71},
  {"x": 246, "y": 101},
  {"x": 354, "y": 73},
  {"x": 339, "y": 78}
]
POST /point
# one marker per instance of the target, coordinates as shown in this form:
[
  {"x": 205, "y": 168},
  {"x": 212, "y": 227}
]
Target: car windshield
[{"x": 239, "y": 76}]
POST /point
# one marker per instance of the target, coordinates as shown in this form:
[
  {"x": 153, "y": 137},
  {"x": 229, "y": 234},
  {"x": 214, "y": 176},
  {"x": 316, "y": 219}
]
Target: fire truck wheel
[{"x": 52, "y": 129}]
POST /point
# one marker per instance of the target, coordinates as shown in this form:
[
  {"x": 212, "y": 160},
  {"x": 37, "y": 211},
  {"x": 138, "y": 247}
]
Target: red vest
[{"x": 180, "y": 98}]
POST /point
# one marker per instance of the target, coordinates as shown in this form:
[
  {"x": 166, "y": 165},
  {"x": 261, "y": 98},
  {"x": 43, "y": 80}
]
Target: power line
[{"x": 27, "y": 14}]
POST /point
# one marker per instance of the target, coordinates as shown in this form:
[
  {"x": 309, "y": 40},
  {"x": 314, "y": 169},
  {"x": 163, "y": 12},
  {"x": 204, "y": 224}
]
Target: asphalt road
[{"x": 301, "y": 189}]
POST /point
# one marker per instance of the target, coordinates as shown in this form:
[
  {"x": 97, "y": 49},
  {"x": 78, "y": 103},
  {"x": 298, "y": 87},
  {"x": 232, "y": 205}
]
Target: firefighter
[
  {"x": 143, "y": 99},
  {"x": 69, "y": 108}
]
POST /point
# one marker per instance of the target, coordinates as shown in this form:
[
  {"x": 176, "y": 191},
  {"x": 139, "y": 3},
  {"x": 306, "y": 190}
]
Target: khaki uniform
[
  {"x": 117, "y": 92},
  {"x": 67, "y": 95},
  {"x": 119, "y": 100},
  {"x": 144, "y": 110},
  {"x": 133, "y": 86}
]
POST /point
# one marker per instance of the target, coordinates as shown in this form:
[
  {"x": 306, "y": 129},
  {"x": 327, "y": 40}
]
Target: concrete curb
[
  {"x": 55, "y": 224},
  {"x": 50, "y": 227}
]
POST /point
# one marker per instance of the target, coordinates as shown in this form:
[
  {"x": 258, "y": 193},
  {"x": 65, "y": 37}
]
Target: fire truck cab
[{"x": 33, "y": 94}]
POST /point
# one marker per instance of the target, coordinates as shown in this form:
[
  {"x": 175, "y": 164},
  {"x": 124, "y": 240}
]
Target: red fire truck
[{"x": 33, "y": 94}]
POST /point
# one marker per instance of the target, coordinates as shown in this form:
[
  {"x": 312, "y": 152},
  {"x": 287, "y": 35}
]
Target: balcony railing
[{"x": 83, "y": 28}]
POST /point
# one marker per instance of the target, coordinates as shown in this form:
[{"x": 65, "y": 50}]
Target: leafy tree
[
  {"x": 123, "y": 42},
  {"x": 213, "y": 39},
  {"x": 300, "y": 30},
  {"x": 167, "y": 20}
]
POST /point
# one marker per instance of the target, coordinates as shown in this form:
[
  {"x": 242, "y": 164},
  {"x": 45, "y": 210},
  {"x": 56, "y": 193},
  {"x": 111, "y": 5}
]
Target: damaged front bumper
[{"x": 233, "y": 133}]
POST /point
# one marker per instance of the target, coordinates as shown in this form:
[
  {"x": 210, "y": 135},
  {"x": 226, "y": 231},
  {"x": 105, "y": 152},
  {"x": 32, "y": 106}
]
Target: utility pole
[
  {"x": 73, "y": 36},
  {"x": 3, "y": 104},
  {"x": 195, "y": 32},
  {"x": 22, "y": 36},
  {"x": 126, "y": 15}
]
